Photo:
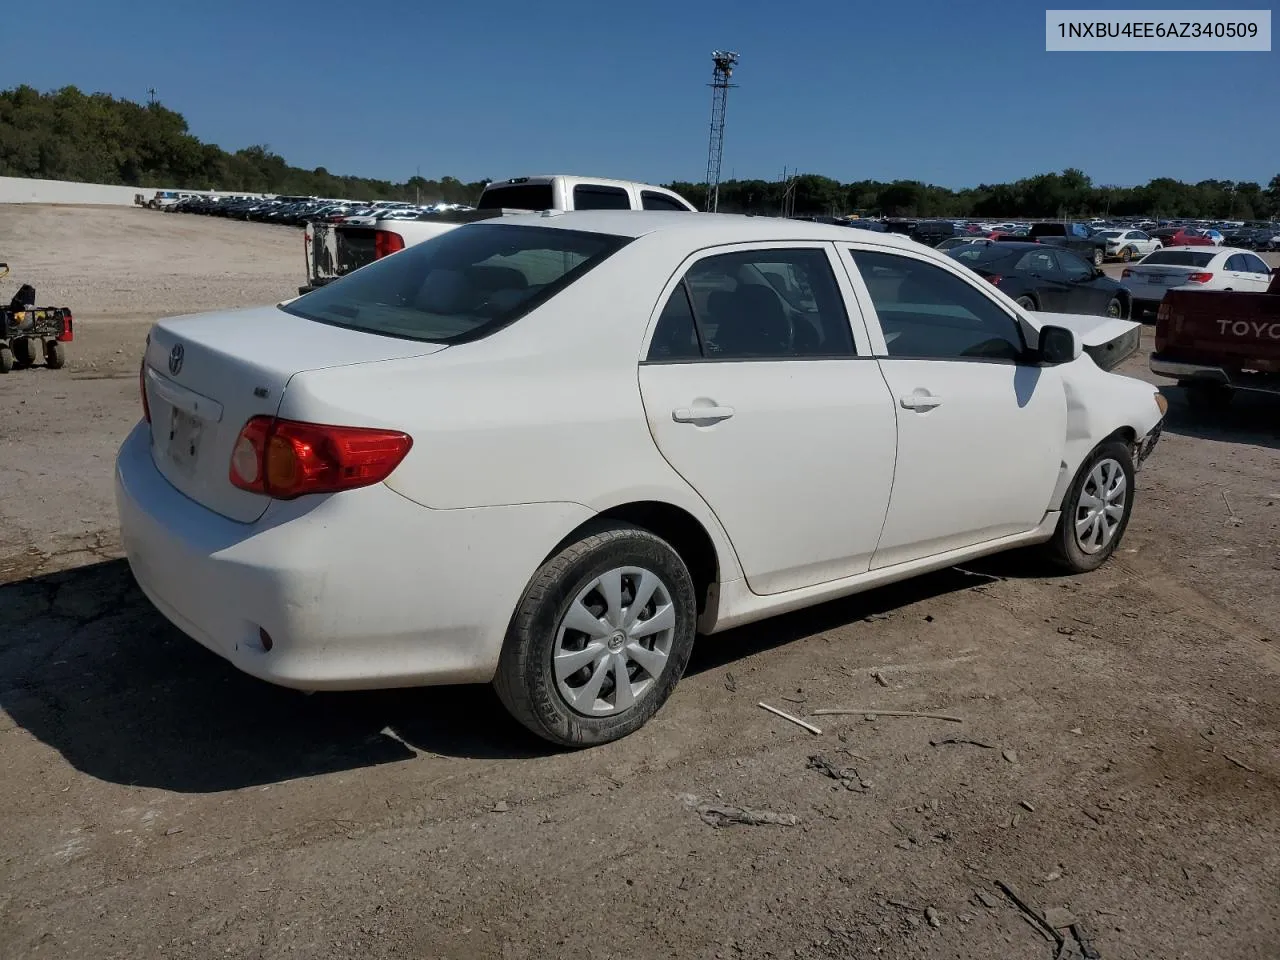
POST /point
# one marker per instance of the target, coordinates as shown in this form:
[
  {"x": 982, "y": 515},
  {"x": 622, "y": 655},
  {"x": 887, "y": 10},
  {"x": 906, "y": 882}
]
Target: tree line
[{"x": 97, "y": 138}]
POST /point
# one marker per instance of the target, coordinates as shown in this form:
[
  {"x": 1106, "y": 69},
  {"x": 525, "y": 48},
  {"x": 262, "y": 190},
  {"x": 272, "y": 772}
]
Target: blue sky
[{"x": 954, "y": 93}]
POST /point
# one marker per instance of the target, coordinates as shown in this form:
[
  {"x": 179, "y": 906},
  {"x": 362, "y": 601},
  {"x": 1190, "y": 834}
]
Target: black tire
[
  {"x": 1115, "y": 308},
  {"x": 55, "y": 354},
  {"x": 1099, "y": 254},
  {"x": 1208, "y": 398},
  {"x": 6, "y": 360},
  {"x": 24, "y": 351},
  {"x": 1027, "y": 302},
  {"x": 526, "y": 681},
  {"x": 1064, "y": 549}
]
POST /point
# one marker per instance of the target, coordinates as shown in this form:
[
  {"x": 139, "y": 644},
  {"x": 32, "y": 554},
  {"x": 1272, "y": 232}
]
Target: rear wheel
[
  {"x": 1098, "y": 255},
  {"x": 1027, "y": 302},
  {"x": 1126, "y": 254},
  {"x": 55, "y": 355},
  {"x": 1095, "y": 511},
  {"x": 24, "y": 351},
  {"x": 6, "y": 359},
  {"x": 600, "y": 639},
  {"x": 1116, "y": 308}
]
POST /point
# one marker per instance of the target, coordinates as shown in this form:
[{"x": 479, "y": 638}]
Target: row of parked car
[{"x": 297, "y": 211}]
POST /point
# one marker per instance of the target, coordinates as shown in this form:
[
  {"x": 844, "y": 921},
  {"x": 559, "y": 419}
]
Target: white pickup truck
[{"x": 335, "y": 249}]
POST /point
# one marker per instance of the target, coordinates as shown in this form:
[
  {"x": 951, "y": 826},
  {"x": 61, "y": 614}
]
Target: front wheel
[
  {"x": 6, "y": 359},
  {"x": 1098, "y": 255},
  {"x": 1115, "y": 308},
  {"x": 1095, "y": 511},
  {"x": 600, "y": 638}
]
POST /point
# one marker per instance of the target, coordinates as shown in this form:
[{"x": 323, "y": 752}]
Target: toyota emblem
[{"x": 175, "y": 359}]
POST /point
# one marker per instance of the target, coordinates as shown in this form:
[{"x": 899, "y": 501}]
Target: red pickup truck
[{"x": 1217, "y": 342}]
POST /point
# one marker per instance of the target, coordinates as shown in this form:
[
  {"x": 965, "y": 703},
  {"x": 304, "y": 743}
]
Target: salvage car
[
  {"x": 1195, "y": 268},
  {"x": 547, "y": 450},
  {"x": 1126, "y": 245},
  {"x": 1040, "y": 277}
]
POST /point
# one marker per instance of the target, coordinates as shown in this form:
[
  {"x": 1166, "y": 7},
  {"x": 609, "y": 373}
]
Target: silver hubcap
[
  {"x": 614, "y": 641},
  {"x": 1101, "y": 506}
]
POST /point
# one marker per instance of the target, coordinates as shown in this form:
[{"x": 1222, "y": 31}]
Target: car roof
[
  {"x": 711, "y": 227},
  {"x": 1199, "y": 248}
]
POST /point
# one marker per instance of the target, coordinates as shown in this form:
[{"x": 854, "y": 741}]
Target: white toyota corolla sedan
[{"x": 547, "y": 450}]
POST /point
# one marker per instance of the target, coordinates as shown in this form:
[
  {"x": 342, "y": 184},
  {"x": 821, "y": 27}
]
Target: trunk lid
[{"x": 206, "y": 375}]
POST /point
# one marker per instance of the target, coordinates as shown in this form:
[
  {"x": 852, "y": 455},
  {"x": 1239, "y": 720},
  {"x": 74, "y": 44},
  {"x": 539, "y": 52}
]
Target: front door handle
[
  {"x": 712, "y": 414},
  {"x": 920, "y": 401}
]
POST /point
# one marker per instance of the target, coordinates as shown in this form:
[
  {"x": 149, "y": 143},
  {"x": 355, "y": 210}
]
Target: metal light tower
[{"x": 724, "y": 62}]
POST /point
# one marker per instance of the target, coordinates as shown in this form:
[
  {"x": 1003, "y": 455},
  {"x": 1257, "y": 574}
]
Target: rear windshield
[
  {"x": 461, "y": 285},
  {"x": 518, "y": 196},
  {"x": 1180, "y": 258}
]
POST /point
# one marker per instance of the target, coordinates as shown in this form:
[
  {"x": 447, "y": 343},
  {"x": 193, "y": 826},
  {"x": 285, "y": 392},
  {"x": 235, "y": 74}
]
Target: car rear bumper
[
  {"x": 363, "y": 589},
  {"x": 1181, "y": 370}
]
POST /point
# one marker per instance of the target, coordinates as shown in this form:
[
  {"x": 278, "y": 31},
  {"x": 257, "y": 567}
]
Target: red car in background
[{"x": 1180, "y": 237}]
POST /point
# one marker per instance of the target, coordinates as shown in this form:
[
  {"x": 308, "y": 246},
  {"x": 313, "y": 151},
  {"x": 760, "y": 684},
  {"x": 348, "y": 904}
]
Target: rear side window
[
  {"x": 1179, "y": 258},
  {"x": 780, "y": 304},
  {"x": 660, "y": 201},
  {"x": 1237, "y": 263},
  {"x": 926, "y": 312},
  {"x": 518, "y": 196},
  {"x": 461, "y": 285},
  {"x": 587, "y": 196}
]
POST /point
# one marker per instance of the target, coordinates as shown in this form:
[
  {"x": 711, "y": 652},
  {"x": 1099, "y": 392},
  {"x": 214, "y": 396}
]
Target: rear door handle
[
  {"x": 700, "y": 414},
  {"x": 920, "y": 401}
]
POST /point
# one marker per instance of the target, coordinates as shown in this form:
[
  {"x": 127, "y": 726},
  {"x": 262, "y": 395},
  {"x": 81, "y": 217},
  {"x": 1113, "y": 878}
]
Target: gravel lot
[{"x": 157, "y": 803}]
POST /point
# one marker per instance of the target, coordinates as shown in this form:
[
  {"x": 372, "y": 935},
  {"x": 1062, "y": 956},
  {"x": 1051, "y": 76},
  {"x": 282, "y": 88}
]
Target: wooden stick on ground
[
  {"x": 786, "y": 716},
  {"x": 886, "y": 713}
]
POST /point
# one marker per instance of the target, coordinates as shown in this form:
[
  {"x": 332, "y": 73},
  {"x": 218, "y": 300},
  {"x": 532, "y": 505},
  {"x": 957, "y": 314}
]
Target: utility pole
[{"x": 724, "y": 62}]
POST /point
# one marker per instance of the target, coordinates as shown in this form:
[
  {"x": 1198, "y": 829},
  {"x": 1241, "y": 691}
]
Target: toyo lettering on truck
[{"x": 1246, "y": 328}]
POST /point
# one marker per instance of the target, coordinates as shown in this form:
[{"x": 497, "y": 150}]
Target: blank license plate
[{"x": 184, "y": 440}]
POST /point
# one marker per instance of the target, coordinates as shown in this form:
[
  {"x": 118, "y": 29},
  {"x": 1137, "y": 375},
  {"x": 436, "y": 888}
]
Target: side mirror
[{"x": 1058, "y": 345}]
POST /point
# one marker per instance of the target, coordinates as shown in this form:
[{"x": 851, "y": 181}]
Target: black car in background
[
  {"x": 933, "y": 232},
  {"x": 1042, "y": 277}
]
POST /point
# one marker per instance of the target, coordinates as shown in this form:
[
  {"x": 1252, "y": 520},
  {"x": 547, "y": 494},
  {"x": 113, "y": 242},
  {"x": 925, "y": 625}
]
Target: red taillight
[
  {"x": 1126, "y": 273},
  {"x": 385, "y": 242},
  {"x": 286, "y": 459},
  {"x": 68, "y": 331},
  {"x": 995, "y": 278},
  {"x": 1199, "y": 277}
]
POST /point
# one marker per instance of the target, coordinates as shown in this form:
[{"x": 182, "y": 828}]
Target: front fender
[{"x": 1101, "y": 405}]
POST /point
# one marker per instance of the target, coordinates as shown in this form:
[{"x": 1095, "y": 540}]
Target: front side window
[
  {"x": 660, "y": 201},
  {"x": 1072, "y": 267},
  {"x": 927, "y": 312},
  {"x": 1256, "y": 264},
  {"x": 460, "y": 285},
  {"x": 756, "y": 305}
]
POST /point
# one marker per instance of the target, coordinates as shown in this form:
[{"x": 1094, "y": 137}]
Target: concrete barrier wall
[{"x": 23, "y": 190}]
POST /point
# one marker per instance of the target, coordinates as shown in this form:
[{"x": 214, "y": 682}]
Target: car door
[
  {"x": 1083, "y": 294},
  {"x": 1039, "y": 270},
  {"x": 760, "y": 395},
  {"x": 1143, "y": 243},
  {"x": 1257, "y": 272},
  {"x": 981, "y": 428}
]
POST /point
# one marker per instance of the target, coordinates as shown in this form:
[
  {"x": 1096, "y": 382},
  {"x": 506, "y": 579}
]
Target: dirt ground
[{"x": 1118, "y": 755}]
